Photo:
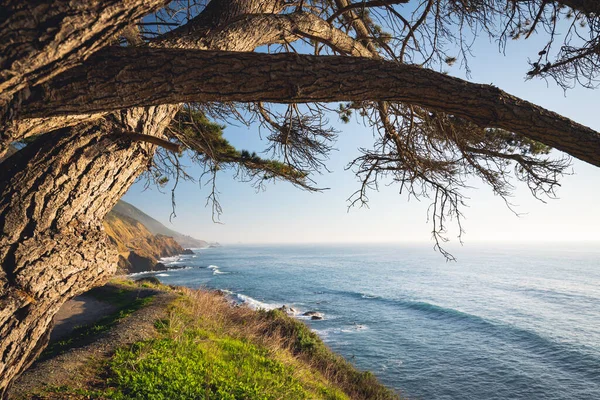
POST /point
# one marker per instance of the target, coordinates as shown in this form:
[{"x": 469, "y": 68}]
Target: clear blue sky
[{"x": 284, "y": 214}]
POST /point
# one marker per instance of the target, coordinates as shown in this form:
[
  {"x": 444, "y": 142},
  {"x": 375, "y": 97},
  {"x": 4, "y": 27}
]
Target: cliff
[
  {"x": 155, "y": 227},
  {"x": 142, "y": 240},
  {"x": 139, "y": 249}
]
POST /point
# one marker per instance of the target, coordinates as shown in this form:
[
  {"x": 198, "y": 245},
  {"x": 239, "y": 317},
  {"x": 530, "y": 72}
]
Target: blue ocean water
[{"x": 502, "y": 323}]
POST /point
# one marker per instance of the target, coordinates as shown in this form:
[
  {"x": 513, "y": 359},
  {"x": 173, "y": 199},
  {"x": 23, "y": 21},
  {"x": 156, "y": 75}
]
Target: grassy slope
[{"x": 208, "y": 349}]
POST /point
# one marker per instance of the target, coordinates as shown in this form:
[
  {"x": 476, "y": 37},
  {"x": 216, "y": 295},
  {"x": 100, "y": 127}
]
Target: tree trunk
[
  {"x": 39, "y": 40},
  {"x": 54, "y": 195}
]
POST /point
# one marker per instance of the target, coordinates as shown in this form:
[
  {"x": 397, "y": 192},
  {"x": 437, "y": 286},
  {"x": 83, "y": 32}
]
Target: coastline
[{"x": 193, "y": 332}]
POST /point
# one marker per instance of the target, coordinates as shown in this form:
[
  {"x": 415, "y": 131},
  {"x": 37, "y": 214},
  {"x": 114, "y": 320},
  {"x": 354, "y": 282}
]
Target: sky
[{"x": 285, "y": 214}]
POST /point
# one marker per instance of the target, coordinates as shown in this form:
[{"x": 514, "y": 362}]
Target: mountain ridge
[{"x": 155, "y": 227}]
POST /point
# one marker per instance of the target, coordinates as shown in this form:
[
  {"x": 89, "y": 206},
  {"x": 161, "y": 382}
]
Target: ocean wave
[
  {"x": 136, "y": 274},
  {"x": 327, "y": 332},
  {"x": 163, "y": 275},
  {"x": 168, "y": 260},
  {"x": 561, "y": 355},
  {"x": 368, "y": 296},
  {"x": 256, "y": 304},
  {"x": 178, "y": 262},
  {"x": 144, "y": 273},
  {"x": 556, "y": 296},
  {"x": 217, "y": 272}
]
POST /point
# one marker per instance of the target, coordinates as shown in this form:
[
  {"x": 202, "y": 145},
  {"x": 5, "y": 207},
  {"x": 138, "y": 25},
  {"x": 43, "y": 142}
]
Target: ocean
[{"x": 501, "y": 323}]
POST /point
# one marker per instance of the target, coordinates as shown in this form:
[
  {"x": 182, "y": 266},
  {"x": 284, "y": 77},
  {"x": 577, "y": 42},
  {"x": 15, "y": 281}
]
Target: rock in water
[{"x": 314, "y": 315}]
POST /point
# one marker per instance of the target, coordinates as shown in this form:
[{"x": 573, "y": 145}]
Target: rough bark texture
[
  {"x": 20, "y": 129},
  {"x": 54, "y": 195},
  {"x": 245, "y": 34},
  {"x": 158, "y": 76},
  {"x": 39, "y": 40},
  {"x": 216, "y": 15},
  {"x": 585, "y": 6}
]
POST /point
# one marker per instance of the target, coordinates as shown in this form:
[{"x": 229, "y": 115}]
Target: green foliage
[
  {"x": 201, "y": 366},
  {"x": 207, "y": 349},
  {"x": 345, "y": 112},
  {"x": 516, "y": 143},
  {"x": 205, "y": 138},
  {"x": 306, "y": 344}
]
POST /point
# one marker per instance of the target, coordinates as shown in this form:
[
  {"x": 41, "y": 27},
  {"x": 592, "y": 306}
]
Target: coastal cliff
[
  {"x": 142, "y": 241},
  {"x": 155, "y": 227},
  {"x": 139, "y": 250}
]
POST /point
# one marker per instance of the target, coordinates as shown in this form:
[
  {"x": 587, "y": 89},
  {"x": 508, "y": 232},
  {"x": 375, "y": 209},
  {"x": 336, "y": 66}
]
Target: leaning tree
[{"x": 99, "y": 93}]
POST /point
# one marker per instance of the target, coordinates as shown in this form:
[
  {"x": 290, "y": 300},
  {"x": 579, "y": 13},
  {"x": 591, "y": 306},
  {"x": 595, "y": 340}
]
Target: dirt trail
[
  {"x": 75, "y": 366},
  {"x": 82, "y": 310}
]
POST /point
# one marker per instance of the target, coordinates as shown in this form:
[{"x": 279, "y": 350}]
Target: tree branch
[
  {"x": 585, "y": 6},
  {"x": 32, "y": 52},
  {"x": 165, "y": 144},
  {"x": 128, "y": 77},
  {"x": 364, "y": 4}
]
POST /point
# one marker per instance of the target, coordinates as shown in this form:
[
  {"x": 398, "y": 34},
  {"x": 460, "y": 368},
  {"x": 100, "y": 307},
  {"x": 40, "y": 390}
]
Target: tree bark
[
  {"x": 585, "y": 6},
  {"x": 244, "y": 34},
  {"x": 54, "y": 195},
  {"x": 39, "y": 40},
  {"x": 128, "y": 77}
]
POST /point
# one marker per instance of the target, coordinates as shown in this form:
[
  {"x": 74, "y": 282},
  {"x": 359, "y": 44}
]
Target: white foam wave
[
  {"x": 335, "y": 331},
  {"x": 179, "y": 269},
  {"x": 368, "y": 296},
  {"x": 163, "y": 275},
  {"x": 256, "y": 304},
  {"x": 217, "y": 272},
  {"x": 168, "y": 260},
  {"x": 135, "y": 274}
]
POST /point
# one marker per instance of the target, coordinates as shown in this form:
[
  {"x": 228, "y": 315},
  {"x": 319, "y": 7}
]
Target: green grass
[
  {"x": 307, "y": 345},
  {"x": 200, "y": 365},
  {"x": 207, "y": 349}
]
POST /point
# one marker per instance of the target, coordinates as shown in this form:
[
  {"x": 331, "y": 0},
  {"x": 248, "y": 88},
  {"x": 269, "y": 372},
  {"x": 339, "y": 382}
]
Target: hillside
[
  {"x": 155, "y": 227},
  {"x": 139, "y": 249},
  {"x": 175, "y": 343}
]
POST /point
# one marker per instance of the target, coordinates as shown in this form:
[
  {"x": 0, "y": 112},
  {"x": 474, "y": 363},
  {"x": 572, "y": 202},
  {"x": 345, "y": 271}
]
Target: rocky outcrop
[
  {"x": 314, "y": 315},
  {"x": 139, "y": 249}
]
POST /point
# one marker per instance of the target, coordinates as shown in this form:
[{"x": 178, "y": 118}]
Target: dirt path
[
  {"x": 75, "y": 366},
  {"x": 82, "y": 310}
]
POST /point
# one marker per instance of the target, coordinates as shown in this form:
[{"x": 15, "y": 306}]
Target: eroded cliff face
[{"x": 139, "y": 250}]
